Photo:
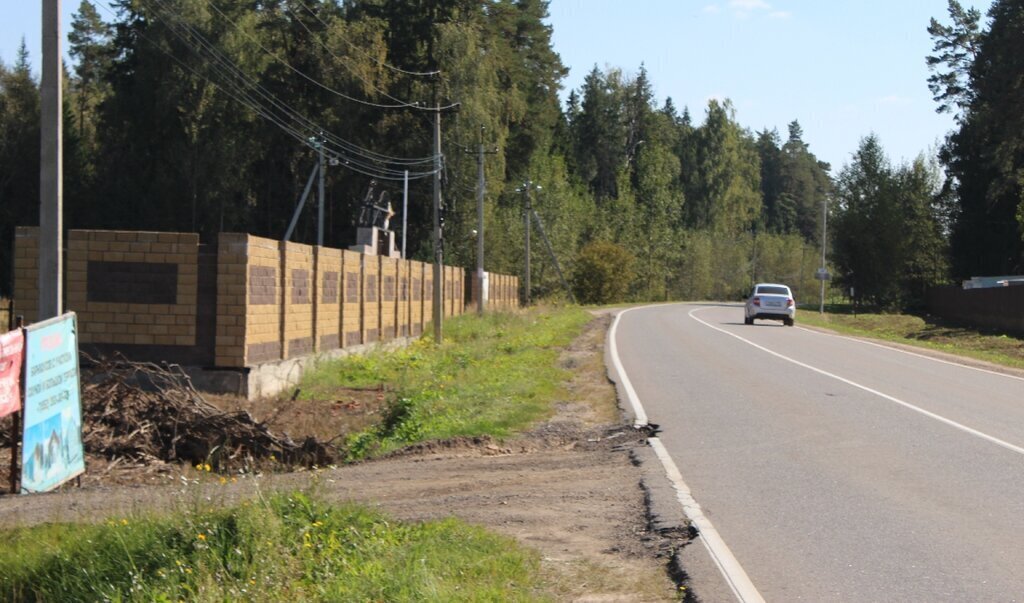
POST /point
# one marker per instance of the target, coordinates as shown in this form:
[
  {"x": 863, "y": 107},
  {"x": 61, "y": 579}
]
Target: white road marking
[
  {"x": 733, "y": 573},
  {"x": 640, "y": 416},
  {"x": 908, "y": 352},
  {"x": 918, "y": 409},
  {"x": 731, "y": 570}
]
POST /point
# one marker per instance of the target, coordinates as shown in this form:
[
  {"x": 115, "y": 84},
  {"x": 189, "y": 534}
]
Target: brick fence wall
[
  {"x": 1000, "y": 308},
  {"x": 239, "y": 302}
]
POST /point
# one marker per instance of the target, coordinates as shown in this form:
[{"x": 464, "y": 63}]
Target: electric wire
[
  {"x": 379, "y": 62},
  {"x": 314, "y": 81},
  {"x": 345, "y": 60},
  {"x": 230, "y": 70},
  {"x": 244, "y": 90}
]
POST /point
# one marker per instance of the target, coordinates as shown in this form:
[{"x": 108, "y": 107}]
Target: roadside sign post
[{"x": 51, "y": 449}]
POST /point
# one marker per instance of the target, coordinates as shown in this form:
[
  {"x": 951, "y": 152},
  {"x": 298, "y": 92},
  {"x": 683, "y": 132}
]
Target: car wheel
[
  {"x": 789, "y": 322},
  {"x": 747, "y": 320}
]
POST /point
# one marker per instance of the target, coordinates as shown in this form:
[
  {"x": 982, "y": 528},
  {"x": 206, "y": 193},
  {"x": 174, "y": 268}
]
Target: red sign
[{"x": 12, "y": 350}]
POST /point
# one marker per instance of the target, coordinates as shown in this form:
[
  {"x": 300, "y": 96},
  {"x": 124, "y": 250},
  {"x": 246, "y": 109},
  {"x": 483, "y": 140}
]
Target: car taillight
[
  {"x": 757, "y": 301},
  {"x": 789, "y": 303}
]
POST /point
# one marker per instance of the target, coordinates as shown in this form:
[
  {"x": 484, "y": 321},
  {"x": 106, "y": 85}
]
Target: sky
[{"x": 844, "y": 69}]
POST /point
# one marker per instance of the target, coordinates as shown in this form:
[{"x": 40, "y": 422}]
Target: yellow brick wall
[
  {"x": 263, "y": 321},
  {"x": 133, "y": 323},
  {"x": 428, "y": 295},
  {"x": 299, "y": 288},
  {"x": 371, "y": 299},
  {"x": 351, "y": 296},
  {"x": 26, "y": 272},
  {"x": 388, "y": 297},
  {"x": 327, "y": 318},
  {"x": 232, "y": 299},
  {"x": 416, "y": 296},
  {"x": 404, "y": 296}
]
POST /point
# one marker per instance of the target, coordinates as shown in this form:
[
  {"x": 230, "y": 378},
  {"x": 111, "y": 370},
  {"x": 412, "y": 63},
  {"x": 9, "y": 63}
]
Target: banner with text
[
  {"x": 12, "y": 346},
  {"x": 51, "y": 450}
]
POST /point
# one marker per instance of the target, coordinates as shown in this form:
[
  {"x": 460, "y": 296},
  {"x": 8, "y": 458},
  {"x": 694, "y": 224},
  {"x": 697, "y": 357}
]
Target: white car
[{"x": 770, "y": 301}]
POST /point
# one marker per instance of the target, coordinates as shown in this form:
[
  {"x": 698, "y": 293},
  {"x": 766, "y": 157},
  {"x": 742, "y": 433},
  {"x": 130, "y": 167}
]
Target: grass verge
[
  {"x": 280, "y": 548},
  {"x": 922, "y": 332},
  {"x": 492, "y": 375}
]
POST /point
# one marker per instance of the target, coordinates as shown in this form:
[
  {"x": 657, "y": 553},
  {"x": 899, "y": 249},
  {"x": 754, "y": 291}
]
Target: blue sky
[{"x": 844, "y": 69}]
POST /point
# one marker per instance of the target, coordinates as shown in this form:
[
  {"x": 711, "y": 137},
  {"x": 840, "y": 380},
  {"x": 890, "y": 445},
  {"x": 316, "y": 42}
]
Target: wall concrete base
[{"x": 271, "y": 378}]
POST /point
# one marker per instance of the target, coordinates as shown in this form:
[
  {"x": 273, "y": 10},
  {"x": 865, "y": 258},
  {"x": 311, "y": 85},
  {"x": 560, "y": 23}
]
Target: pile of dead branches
[{"x": 142, "y": 413}]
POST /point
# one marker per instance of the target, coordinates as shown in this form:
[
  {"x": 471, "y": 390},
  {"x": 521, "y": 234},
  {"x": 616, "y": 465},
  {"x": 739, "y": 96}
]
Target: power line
[
  {"x": 379, "y": 62},
  {"x": 245, "y": 87},
  {"x": 243, "y": 92},
  {"x": 400, "y": 105}
]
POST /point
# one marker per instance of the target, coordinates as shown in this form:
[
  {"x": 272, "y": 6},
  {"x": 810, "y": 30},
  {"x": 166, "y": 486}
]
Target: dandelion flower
[
  {"x": 124, "y": 522},
  {"x": 201, "y": 536},
  {"x": 207, "y": 467}
]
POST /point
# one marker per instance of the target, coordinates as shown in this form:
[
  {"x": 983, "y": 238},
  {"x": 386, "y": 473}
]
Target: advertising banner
[
  {"x": 12, "y": 347},
  {"x": 51, "y": 451}
]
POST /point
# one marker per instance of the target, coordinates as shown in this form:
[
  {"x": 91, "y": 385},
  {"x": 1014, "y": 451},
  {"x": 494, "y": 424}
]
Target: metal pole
[
  {"x": 554, "y": 258},
  {"x": 481, "y": 297},
  {"x": 438, "y": 234},
  {"x": 302, "y": 203},
  {"x": 405, "y": 211},
  {"x": 526, "y": 239},
  {"x": 51, "y": 173},
  {"x": 320, "y": 211},
  {"x": 824, "y": 237}
]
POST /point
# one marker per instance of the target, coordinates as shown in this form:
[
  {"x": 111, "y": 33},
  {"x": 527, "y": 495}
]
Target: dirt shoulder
[{"x": 570, "y": 489}]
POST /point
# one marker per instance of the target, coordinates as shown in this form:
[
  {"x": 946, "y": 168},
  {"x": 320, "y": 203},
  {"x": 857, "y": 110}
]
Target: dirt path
[{"x": 570, "y": 489}]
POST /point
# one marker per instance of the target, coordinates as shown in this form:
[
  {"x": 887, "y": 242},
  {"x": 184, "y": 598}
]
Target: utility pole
[
  {"x": 824, "y": 238},
  {"x": 527, "y": 210},
  {"x": 480, "y": 189},
  {"x": 320, "y": 210},
  {"x": 438, "y": 303},
  {"x": 51, "y": 173},
  {"x": 438, "y": 298}
]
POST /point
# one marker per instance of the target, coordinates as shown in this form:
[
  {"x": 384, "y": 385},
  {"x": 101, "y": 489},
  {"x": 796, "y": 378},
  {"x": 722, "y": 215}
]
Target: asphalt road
[{"x": 834, "y": 469}]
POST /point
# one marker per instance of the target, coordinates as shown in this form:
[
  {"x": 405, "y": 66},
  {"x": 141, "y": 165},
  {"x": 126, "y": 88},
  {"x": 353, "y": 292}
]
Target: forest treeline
[{"x": 208, "y": 116}]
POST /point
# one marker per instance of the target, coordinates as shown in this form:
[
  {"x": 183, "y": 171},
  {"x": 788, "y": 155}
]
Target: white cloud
[
  {"x": 748, "y": 5},
  {"x": 712, "y": 9},
  {"x": 743, "y": 9}
]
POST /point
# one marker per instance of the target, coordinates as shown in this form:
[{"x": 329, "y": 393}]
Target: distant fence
[
  {"x": 998, "y": 308},
  {"x": 5, "y": 314},
  {"x": 241, "y": 301}
]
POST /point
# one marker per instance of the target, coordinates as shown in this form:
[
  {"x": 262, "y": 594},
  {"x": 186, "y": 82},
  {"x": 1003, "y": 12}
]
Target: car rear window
[{"x": 773, "y": 291}]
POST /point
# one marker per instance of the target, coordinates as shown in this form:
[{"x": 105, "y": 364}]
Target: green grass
[
  {"x": 494, "y": 375},
  {"x": 922, "y": 332},
  {"x": 288, "y": 547}
]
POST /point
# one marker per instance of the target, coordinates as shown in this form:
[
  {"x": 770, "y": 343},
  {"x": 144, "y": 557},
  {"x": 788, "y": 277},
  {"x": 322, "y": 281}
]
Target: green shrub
[{"x": 604, "y": 272}]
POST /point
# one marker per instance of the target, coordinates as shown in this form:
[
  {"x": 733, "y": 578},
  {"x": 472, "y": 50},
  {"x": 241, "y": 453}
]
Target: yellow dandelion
[
  {"x": 308, "y": 545},
  {"x": 252, "y": 581},
  {"x": 223, "y": 480},
  {"x": 201, "y": 536},
  {"x": 124, "y": 522},
  {"x": 207, "y": 467},
  {"x": 188, "y": 570}
]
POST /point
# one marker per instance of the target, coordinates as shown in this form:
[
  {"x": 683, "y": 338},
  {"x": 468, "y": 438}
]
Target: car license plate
[{"x": 774, "y": 304}]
